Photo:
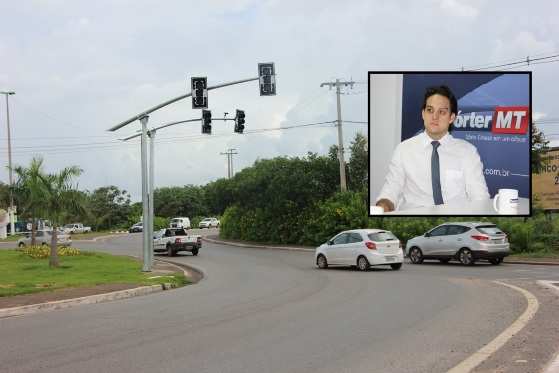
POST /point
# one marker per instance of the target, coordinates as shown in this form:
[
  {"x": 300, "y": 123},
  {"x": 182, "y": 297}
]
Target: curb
[
  {"x": 101, "y": 237},
  {"x": 288, "y": 248},
  {"x": 530, "y": 262},
  {"x": 194, "y": 273},
  {"x": 91, "y": 299}
]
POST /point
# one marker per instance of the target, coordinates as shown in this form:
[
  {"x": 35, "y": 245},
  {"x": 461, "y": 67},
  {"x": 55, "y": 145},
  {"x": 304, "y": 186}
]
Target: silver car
[
  {"x": 465, "y": 242},
  {"x": 44, "y": 238}
]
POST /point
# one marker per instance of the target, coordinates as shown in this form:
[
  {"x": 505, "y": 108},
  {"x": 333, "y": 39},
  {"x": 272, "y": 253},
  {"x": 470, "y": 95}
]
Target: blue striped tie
[{"x": 436, "y": 175}]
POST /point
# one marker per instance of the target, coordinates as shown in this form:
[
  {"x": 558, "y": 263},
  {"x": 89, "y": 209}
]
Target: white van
[{"x": 180, "y": 223}]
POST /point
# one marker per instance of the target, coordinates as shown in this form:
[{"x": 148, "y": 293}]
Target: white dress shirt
[{"x": 408, "y": 182}]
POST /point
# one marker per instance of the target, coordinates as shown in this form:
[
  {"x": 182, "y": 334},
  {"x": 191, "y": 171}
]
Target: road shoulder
[{"x": 533, "y": 347}]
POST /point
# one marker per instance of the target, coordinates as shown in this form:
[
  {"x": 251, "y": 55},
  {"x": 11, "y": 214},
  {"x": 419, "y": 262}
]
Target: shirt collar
[{"x": 426, "y": 140}]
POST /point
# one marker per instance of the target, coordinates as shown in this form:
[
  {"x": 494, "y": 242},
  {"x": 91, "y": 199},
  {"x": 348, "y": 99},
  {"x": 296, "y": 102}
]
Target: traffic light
[
  {"x": 199, "y": 93},
  {"x": 267, "y": 76},
  {"x": 240, "y": 121},
  {"x": 206, "y": 122}
]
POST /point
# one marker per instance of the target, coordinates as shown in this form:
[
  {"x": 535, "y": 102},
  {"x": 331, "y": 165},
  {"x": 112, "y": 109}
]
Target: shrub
[{"x": 43, "y": 251}]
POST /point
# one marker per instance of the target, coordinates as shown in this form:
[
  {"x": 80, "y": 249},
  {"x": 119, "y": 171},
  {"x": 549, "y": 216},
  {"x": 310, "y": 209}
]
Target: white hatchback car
[{"x": 362, "y": 248}]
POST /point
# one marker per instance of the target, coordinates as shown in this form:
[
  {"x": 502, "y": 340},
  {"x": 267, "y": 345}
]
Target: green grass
[
  {"x": 90, "y": 235},
  {"x": 551, "y": 254},
  {"x": 20, "y": 274},
  {"x": 11, "y": 238}
]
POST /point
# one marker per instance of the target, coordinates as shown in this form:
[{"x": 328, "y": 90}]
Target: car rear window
[
  {"x": 489, "y": 229},
  {"x": 382, "y": 236}
]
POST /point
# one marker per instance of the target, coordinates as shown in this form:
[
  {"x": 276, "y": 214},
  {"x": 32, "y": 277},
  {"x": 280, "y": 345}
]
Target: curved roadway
[{"x": 273, "y": 311}]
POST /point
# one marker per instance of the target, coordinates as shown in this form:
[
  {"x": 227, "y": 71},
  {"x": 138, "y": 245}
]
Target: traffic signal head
[
  {"x": 199, "y": 93},
  {"x": 240, "y": 121},
  {"x": 207, "y": 122},
  {"x": 267, "y": 75}
]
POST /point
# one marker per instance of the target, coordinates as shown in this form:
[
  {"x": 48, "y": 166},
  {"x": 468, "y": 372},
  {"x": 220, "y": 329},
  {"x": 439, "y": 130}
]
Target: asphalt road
[{"x": 273, "y": 311}]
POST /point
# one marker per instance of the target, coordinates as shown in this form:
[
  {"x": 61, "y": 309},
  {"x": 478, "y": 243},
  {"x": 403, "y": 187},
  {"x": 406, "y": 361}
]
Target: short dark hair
[{"x": 442, "y": 90}]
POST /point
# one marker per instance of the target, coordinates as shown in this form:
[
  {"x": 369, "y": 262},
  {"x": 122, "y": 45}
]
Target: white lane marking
[
  {"x": 549, "y": 285},
  {"x": 485, "y": 352},
  {"x": 553, "y": 367}
]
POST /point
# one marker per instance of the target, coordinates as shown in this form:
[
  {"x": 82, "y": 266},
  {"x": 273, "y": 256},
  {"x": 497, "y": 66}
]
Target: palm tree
[
  {"x": 61, "y": 199},
  {"x": 30, "y": 192}
]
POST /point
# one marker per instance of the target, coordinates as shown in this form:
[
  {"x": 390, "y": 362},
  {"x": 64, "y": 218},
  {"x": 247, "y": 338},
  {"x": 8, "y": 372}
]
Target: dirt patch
[{"x": 61, "y": 294}]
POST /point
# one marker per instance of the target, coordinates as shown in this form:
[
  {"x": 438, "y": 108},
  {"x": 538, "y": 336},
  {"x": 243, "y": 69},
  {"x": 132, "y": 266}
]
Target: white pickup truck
[
  {"x": 75, "y": 228},
  {"x": 173, "y": 240}
]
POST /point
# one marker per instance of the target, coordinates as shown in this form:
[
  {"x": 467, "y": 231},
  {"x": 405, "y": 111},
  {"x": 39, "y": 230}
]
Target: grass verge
[
  {"x": 21, "y": 274},
  {"x": 544, "y": 254},
  {"x": 90, "y": 235},
  {"x": 11, "y": 238}
]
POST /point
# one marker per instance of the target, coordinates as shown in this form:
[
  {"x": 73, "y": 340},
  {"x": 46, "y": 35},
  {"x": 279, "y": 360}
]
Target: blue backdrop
[{"x": 505, "y": 157}]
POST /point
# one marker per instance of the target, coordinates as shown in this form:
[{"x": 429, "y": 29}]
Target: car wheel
[
  {"x": 416, "y": 256},
  {"x": 466, "y": 257},
  {"x": 21, "y": 244},
  {"x": 170, "y": 251},
  {"x": 321, "y": 262},
  {"x": 444, "y": 261},
  {"x": 496, "y": 261},
  {"x": 396, "y": 266},
  {"x": 44, "y": 244},
  {"x": 195, "y": 252},
  {"x": 362, "y": 263}
]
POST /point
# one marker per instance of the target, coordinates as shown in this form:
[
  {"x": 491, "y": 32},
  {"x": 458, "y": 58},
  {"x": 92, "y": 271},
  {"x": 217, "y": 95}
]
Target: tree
[
  {"x": 61, "y": 199},
  {"x": 179, "y": 201},
  {"x": 29, "y": 190},
  {"x": 539, "y": 148},
  {"x": 109, "y": 206},
  {"x": 359, "y": 164}
]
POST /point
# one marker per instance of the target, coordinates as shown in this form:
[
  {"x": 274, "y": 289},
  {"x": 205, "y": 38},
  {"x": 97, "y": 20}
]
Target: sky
[{"x": 79, "y": 68}]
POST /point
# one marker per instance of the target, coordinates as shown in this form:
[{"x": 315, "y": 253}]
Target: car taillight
[
  {"x": 370, "y": 245},
  {"x": 480, "y": 237}
]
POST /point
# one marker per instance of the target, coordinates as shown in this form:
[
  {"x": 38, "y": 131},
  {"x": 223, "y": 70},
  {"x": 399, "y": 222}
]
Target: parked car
[
  {"x": 465, "y": 242},
  {"x": 209, "y": 223},
  {"x": 138, "y": 227},
  {"x": 44, "y": 238},
  {"x": 362, "y": 248},
  {"x": 180, "y": 223},
  {"x": 173, "y": 240}
]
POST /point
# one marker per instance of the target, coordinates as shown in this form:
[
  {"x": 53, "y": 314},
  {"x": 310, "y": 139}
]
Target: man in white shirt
[{"x": 433, "y": 167}]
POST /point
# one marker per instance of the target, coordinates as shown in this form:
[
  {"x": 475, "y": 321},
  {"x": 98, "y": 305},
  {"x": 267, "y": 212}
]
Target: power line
[
  {"x": 63, "y": 148},
  {"x": 518, "y": 63}
]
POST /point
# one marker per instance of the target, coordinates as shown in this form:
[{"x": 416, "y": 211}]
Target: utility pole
[
  {"x": 229, "y": 153},
  {"x": 11, "y": 210},
  {"x": 338, "y": 84}
]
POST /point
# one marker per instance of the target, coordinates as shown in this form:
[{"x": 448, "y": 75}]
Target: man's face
[{"x": 437, "y": 116}]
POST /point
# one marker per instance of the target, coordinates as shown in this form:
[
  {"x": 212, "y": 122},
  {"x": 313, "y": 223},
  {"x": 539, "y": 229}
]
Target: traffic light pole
[
  {"x": 169, "y": 102},
  {"x": 147, "y": 187},
  {"x": 150, "y": 194},
  {"x": 145, "y": 198}
]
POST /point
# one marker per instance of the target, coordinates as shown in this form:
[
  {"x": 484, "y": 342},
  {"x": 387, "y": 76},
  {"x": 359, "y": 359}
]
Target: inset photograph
[{"x": 450, "y": 143}]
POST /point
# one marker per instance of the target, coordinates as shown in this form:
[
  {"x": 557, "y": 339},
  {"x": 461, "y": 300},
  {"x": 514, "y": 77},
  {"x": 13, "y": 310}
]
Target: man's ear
[{"x": 452, "y": 118}]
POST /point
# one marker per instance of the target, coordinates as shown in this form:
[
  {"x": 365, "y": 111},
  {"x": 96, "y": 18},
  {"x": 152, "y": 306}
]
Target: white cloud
[
  {"x": 85, "y": 67},
  {"x": 459, "y": 8}
]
